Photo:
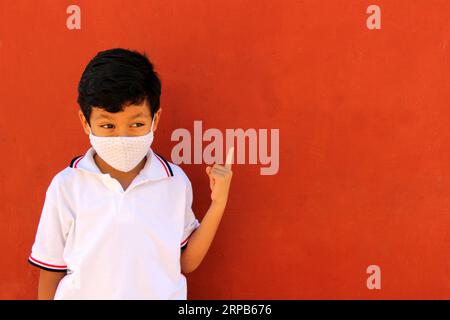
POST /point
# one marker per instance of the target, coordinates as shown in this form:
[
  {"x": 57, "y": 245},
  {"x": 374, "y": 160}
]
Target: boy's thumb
[{"x": 208, "y": 170}]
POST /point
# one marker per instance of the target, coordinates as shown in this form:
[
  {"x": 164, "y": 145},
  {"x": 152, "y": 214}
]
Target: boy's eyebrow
[
  {"x": 104, "y": 116},
  {"x": 137, "y": 115}
]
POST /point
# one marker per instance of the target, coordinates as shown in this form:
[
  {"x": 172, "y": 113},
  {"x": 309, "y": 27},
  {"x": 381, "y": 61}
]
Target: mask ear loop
[{"x": 151, "y": 127}]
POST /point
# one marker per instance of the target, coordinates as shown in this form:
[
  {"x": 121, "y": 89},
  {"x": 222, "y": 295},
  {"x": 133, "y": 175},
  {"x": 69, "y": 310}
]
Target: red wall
[{"x": 364, "y": 135}]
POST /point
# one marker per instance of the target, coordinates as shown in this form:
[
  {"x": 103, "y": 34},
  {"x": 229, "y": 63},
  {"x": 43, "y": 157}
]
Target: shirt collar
[{"x": 155, "y": 168}]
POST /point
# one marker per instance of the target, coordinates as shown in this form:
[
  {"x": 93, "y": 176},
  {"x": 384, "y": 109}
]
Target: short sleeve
[
  {"x": 48, "y": 247},
  {"x": 190, "y": 221}
]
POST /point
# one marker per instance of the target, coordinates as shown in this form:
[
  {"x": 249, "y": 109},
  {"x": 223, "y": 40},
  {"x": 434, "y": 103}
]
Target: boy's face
[{"x": 134, "y": 120}]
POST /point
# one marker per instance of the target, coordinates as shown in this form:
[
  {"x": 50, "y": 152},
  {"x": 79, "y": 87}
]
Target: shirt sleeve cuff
[{"x": 46, "y": 264}]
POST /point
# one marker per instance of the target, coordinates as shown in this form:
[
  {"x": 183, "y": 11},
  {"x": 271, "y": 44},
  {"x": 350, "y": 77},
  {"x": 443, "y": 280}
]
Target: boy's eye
[{"x": 105, "y": 126}]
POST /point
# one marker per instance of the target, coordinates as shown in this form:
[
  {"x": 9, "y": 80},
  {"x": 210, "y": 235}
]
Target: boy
[{"x": 117, "y": 222}]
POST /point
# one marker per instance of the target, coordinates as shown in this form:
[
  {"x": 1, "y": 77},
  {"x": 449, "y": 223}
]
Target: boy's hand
[{"x": 220, "y": 179}]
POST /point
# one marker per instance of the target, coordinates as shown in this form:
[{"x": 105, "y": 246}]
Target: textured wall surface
[{"x": 364, "y": 134}]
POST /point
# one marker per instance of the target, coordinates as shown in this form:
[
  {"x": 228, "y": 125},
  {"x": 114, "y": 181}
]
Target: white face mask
[{"x": 124, "y": 152}]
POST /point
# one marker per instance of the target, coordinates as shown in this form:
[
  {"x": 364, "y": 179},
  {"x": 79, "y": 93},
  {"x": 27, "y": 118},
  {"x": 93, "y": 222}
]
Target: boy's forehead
[{"x": 131, "y": 111}]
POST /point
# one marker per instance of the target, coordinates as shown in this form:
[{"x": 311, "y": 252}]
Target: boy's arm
[
  {"x": 48, "y": 282},
  {"x": 47, "y": 251},
  {"x": 200, "y": 240}
]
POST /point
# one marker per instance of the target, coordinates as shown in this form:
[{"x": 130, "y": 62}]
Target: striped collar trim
[{"x": 157, "y": 168}]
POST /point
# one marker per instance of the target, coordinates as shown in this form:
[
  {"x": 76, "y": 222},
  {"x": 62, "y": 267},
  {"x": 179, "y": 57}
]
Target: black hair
[{"x": 116, "y": 78}]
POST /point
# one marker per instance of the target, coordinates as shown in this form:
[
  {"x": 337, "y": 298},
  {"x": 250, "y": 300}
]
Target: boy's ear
[{"x": 83, "y": 121}]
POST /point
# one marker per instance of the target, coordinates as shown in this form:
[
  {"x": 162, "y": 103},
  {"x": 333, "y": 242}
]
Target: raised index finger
[{"x": 229, "y": 159}]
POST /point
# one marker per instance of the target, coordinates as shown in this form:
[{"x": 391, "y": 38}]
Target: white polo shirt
[{"x": 116, "y": 244}]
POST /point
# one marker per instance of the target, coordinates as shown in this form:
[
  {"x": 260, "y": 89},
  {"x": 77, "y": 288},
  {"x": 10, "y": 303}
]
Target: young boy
[{"x": 117, "y": 222}]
